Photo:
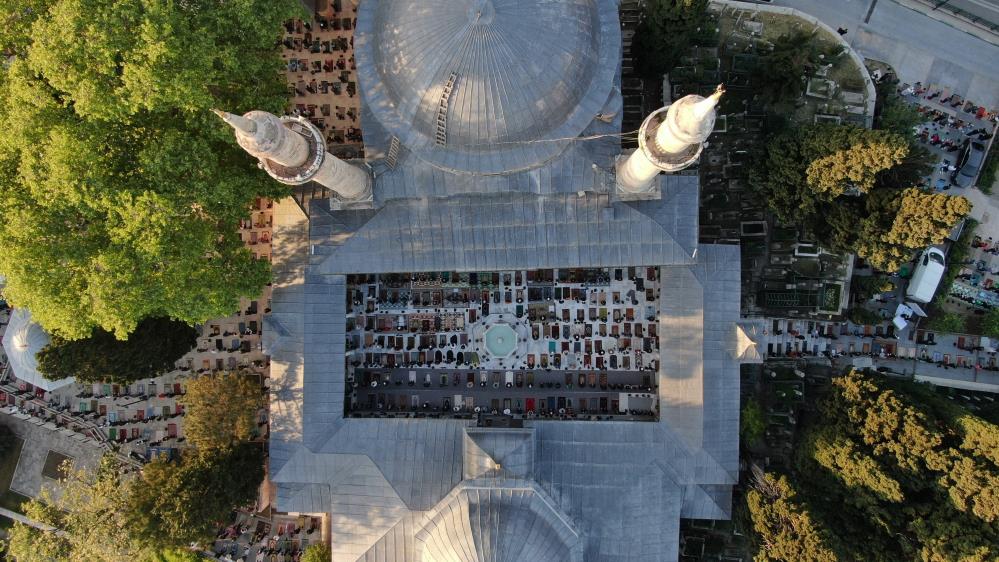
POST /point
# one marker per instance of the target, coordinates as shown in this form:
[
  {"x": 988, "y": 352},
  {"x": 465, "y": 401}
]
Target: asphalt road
[{"x": 918, "y": 47}]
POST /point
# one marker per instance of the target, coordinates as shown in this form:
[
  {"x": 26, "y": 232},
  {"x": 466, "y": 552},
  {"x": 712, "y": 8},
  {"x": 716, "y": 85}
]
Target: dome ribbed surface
[
  {"x": 22, "y": 341},
  {"x": 521, "y": 70},
  {"x": 496, "y": 525}
]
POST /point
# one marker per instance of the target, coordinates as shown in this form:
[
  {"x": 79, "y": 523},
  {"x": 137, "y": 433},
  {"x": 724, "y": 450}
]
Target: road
[
  {"x": 986, "y": 9},
  {"x": 918, "y": 47}
]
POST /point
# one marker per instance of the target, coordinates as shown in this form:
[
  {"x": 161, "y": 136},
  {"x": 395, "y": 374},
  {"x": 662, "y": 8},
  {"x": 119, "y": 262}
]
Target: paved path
[
  {"x": 798, "y": 337},
  {"x": 31, "y": 522},
  {"x": 920, "y": 49}
]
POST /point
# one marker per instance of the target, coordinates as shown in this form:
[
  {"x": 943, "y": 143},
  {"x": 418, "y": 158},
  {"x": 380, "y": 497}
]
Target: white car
[{"x": 929, "y": 270}]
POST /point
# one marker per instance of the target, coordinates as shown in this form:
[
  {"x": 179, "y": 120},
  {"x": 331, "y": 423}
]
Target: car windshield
[{"x": 936, "y": 257}]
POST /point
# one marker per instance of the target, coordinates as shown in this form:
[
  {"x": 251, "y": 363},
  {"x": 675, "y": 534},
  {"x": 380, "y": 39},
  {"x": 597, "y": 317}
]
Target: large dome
[
  {"x": 497, "y": 524},
  {"x": 465, "y": 83}
]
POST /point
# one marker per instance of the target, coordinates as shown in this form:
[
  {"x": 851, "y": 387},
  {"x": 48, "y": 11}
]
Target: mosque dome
[
  {"x": 481, "y": 524},
  {"x": 473, "y": 85}
]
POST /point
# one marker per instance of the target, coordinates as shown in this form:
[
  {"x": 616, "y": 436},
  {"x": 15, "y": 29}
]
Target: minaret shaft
[
  {"x": 670, "y": 140},
  {"x": 288, "y": 156}
]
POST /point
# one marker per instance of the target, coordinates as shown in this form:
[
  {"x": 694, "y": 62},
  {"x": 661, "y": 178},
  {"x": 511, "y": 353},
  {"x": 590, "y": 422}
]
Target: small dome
[
  {"x": 465, "y": 83},
  {"x": 22, "y": 341}
]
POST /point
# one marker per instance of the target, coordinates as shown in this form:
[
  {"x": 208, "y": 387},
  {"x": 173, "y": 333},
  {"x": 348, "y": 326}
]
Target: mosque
[{"x": 495, "y": 180}]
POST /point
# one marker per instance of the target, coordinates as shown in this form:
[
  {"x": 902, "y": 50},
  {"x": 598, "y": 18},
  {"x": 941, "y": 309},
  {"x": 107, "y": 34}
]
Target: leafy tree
[
  {"x": 854, "y": 167},
  {"x": 861, "y": 316},
  {"x": 221, "y": 410},
  {"x": 838, "y": 182},
  {"x": 16, "y": 17},
  {"x": 926, "y": 218},
  {"x": 152, "y": 349},
  {"x": 804, "y": 167},
  {"x": 987, "y": 178},
  {"x": 894, "y": 113},
  {"x": 894, "y": 472},
  {"x": 920, "y": 219},
  {"x": 88, "y": 519},
  {"x": 664, "y": 33},
  {"x": 175, "y": 555},
  {"x": 864, "y": 287},
  {"x": 752, "y": 422},
  {"x": 785, "y": 530},
  {"x": 947, "y": 322},
  {"x": 317, "y": 553},
  {"x": 856, "y": 469},
  {"x": 175, "y": 504},
  {"x": 990, "y": 323},
  {"x": 120, "y": 191},
  {"x": 782, "y": 73}
]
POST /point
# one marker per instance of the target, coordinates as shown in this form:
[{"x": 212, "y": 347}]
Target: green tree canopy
[
  {"x": 221, "y": 410},
  {"x": 990, "y": 323},
  {"x": 892, "y": 472},
  {"x": 925, "y": 218},
  {"x": 947, "y": 322},
  {"x": 894, "y": 113},
  {"x": 861, "y": 316},
  {"x": 785, "y": 530},
  {"x": 752, "y": 422},
  {"x": 918, "y": 219},
  {"x": 782, "y": 73},
  {"x": 121, "y": 193},
  {"x": 175, "y": 555},
  {"x": 804, "y": 167},
  {"x": 840, "y": 183},
  {"x": 89, "y": 520},
  {"x": 317, "y": 553},
  {"x": 175, "y": 504},
  {"x": 152, "y": 349},
  {"x": 664, "y": 33},
  {"x": 864, "y": 287}
]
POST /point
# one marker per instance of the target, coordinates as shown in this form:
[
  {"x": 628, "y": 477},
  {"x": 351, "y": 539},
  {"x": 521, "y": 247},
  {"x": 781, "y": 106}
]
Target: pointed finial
[
  {"x": 704, "y": 107},
  {"x": 238, "y": 122}
]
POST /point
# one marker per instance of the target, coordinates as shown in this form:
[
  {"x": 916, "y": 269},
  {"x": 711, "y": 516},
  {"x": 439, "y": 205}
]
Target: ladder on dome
[
  {"x": 393, "y": 153},
  {"x": 442, "y": 108}
]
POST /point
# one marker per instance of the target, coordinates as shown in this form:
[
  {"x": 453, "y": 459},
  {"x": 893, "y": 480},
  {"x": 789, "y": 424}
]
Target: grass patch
[{"x": 987, "y": 178}]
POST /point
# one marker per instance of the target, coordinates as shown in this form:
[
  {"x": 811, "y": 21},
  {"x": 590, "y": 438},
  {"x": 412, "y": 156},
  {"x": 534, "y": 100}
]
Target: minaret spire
[
  {"x": 670, "y": 140},
  {"x": 293, "y": 151},
  {"x": 238, "y": 122}
]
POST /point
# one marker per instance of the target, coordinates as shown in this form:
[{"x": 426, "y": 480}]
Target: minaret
[
  {"x": 293, "y": 151},
  {"x": 670, "y": 140}
]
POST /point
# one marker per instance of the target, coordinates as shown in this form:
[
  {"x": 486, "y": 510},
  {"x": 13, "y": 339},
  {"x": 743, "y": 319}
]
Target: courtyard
[{"x": 548, "y": 343}]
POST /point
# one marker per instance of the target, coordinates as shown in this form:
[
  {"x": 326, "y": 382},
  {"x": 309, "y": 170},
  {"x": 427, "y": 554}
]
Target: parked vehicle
[
  {"x": 925, "y": 278},
  {"x": 969, "y": 164},
  {"x": 509, "y": 379}
]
